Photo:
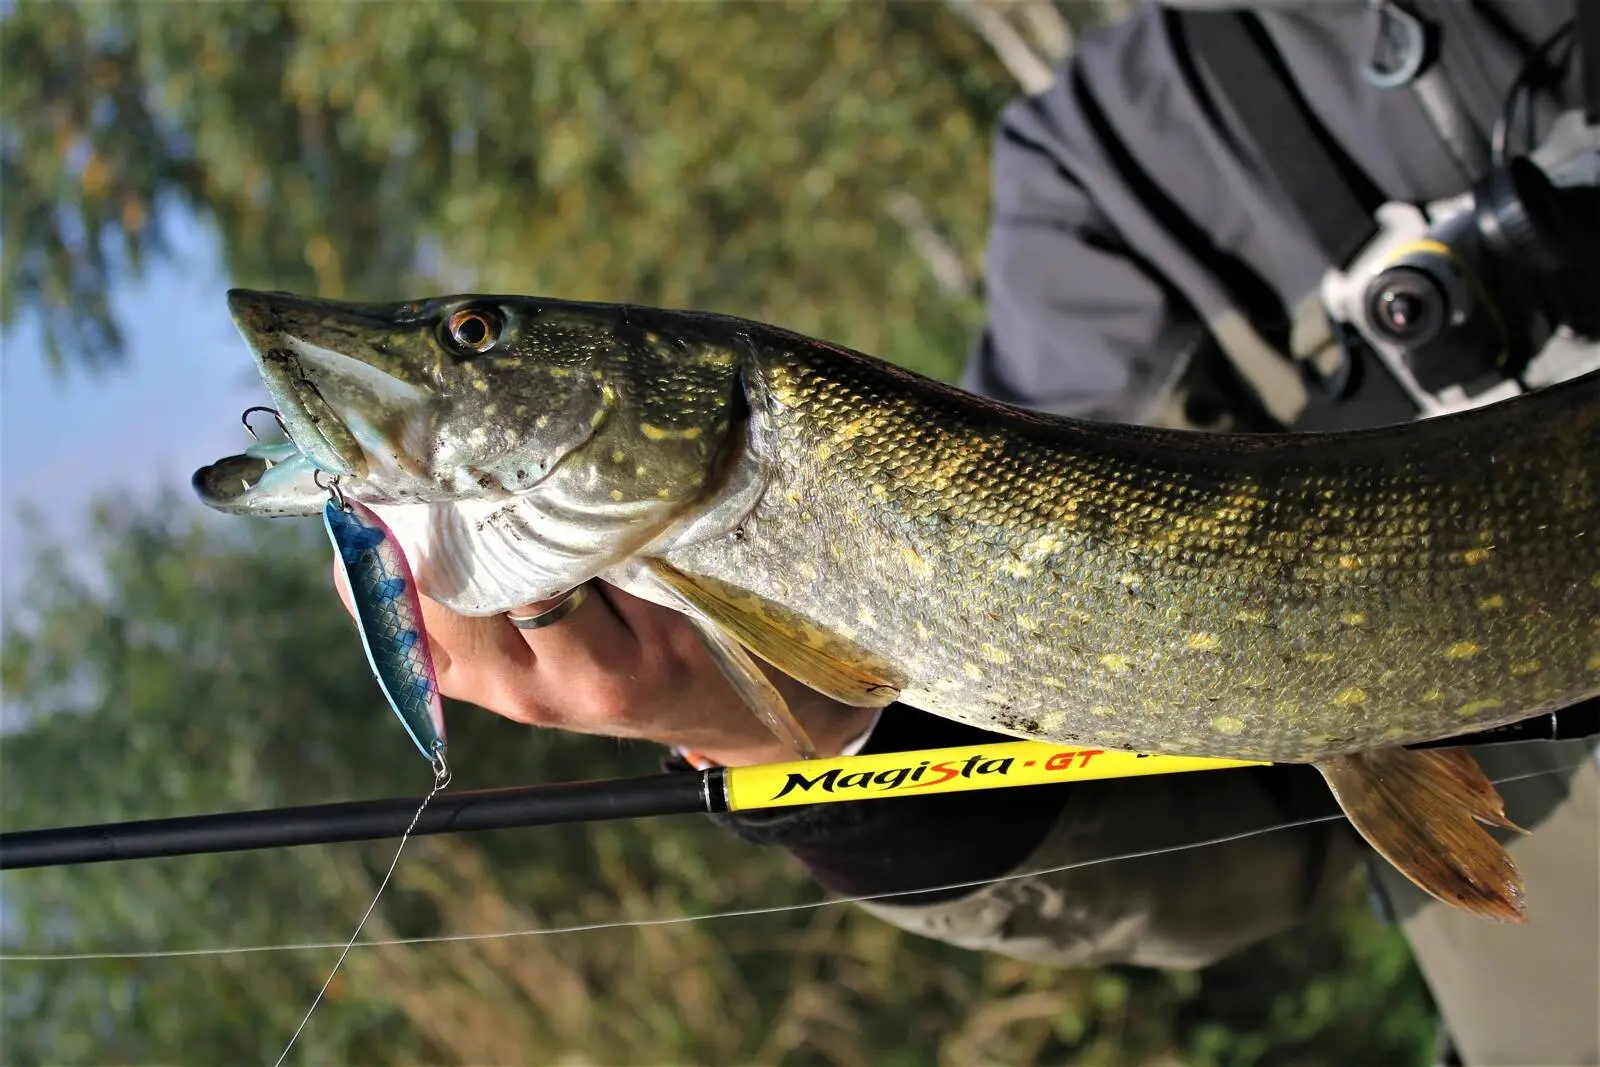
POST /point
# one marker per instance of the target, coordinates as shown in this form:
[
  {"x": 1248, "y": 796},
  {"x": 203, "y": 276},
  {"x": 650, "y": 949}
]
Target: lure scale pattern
[{"x": 389, "y": 615}]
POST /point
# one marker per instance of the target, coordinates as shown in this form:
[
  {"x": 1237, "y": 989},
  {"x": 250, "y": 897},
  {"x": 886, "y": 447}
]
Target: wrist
[{"x": 843, "y": 730}]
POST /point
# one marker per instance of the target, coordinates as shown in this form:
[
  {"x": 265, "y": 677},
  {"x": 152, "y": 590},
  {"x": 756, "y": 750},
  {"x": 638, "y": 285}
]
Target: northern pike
[{"x": 1317, "y": 598}]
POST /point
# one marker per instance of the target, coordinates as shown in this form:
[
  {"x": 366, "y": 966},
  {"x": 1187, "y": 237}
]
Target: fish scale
[{"x": 1311, "y": 535}]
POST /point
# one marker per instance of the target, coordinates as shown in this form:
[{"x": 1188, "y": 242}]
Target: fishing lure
[{"x": 388, "y": 610}]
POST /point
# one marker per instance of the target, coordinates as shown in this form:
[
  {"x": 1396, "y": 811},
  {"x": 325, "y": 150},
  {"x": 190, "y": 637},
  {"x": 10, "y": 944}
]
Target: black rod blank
[
  {"x": 364, "y": 820},
  {"x": 680, "y": 793}
]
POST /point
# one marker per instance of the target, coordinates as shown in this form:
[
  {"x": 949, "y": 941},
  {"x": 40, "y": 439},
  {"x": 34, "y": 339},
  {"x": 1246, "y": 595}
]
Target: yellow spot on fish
[
  {"x": 1319, "y": 657},
  {"x": 923, "y": 633},
  {"x": 489, "y": 411},
  {"x": 1594, "y": 662},
  {"x": 1102, "y": 709},
  {"x": 1028, "y": 623},
  {"x": 1228, "y": 724},
  {"x": 480, "y": 385},
  {"x": 914, "y": 561},
  {"x": 662, "y": 494},
  {"x": 618, "y": 456},
  {"x": 541, "y": 422},
  {"x": 1462, "y": 650},
  {"x": 560, "y": 372},
  {"x": 1473, "y": 556},
  {"x": 1349, "y": 563},
  {"x": 1053, "y": 683},
  {"x": 824, "y": 451},
  {"x": 973, "y": 671},
  {"x": 865, "y": 616},
  {"x": 1353, "y": 618},
  {"x": 879, "y": 491},
  {"x": 1203, "y": 641},
  {"x": 1433, "y": 696},
  {"x": 1480, "y": 707},
  {"x": 852, "y": 429},
  {"x": 1489, "y": 603},
  {"x": 996, "y": 655},
  {"x": 1114, "y": 662},
  {"x": 1040, "y": 547},
  {"x": 1525, "y": 668},
  {"x": 1251, "y": 616},
  {"x": 616, "y": 494},
  {"x": 653, "y": 432},
  {"x": 1016, "y": 568},
  {"x": 1350, "y": 697}
]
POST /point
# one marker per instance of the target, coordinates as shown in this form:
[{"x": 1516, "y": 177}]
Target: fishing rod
[{"x": 842, "y": 779}]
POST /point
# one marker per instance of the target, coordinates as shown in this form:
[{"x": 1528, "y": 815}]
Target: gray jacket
[{"x": 1136, "y": 238}]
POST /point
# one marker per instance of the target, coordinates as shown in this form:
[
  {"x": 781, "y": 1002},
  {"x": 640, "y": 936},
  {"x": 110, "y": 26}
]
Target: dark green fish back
[{"x": 1255, "y": 597}]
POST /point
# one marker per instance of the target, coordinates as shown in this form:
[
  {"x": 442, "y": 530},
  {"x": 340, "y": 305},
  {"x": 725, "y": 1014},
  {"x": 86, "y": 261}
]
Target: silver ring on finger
[{"x": 567, "y": 606}]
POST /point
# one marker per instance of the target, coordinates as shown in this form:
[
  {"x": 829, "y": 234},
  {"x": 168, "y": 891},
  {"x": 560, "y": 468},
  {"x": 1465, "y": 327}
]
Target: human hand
[{"x": 621, "y": 667}]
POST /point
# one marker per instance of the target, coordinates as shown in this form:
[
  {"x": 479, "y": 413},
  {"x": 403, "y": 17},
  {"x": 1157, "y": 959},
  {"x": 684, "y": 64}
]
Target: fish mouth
[
  {"x": 309, "y": 353},
  {"x": 340, "y": 408}
]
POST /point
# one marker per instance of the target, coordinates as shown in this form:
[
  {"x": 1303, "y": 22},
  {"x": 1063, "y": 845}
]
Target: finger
[
  {"x": 470, "y": 655},
  {"x": 584, "y": 661},
  {"x": 477, "y": 659}
]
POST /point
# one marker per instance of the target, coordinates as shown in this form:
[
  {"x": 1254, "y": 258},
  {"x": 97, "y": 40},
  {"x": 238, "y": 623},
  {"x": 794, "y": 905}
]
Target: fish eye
[{"x": 473, "y": 331}]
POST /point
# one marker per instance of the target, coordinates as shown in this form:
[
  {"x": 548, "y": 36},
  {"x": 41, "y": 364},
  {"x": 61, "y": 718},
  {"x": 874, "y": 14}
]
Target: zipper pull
[{"x": 1399, "y": 46}]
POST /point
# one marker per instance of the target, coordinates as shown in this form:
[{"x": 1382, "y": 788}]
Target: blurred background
[{"x": 822, "y": 166}]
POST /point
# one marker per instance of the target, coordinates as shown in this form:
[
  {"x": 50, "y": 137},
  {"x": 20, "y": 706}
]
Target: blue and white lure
[
  {"x": 388, "y": 609},
  {"x": 387, "y": 603}
]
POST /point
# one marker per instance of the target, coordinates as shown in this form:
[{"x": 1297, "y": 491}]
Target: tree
[{"x": 758, "y": 158}]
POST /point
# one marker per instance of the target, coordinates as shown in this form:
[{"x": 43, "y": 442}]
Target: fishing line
[
  {"x": 441, "y": 778},
  {"x": 673, "y": 920}
]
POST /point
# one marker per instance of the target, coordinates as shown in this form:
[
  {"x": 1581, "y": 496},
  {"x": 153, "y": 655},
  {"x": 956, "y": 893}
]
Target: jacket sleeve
[{"x": 1078, "y": 323}]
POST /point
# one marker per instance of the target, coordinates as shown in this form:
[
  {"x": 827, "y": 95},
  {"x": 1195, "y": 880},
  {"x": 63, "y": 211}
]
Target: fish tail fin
[{"x": 1425, "y": 812}]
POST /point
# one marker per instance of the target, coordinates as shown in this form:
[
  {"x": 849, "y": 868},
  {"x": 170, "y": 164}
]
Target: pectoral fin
[
  {"x": 756, "y": 689},
  {"x": 823, "y": 662},
  {"x": 1422, "y": 811}
]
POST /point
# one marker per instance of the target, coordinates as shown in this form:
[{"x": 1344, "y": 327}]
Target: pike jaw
[{"x": 517, "y": 446}]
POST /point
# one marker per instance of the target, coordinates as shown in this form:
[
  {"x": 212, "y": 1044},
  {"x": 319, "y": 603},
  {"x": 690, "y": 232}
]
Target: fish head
[
  {"x": 471, "y": 397},
  {"x": 590, "y": 428}
]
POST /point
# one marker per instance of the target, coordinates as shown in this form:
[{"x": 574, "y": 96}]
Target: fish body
[{"x": 880, "y": 536}]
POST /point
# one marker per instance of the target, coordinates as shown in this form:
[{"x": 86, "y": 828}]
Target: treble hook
[
  {"x": 251, "y": 430},
  {"x": 331, "y": 486}
]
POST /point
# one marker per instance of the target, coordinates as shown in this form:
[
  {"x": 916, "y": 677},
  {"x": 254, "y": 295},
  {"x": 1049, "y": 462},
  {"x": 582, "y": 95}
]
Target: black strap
[
  {"x": 1335, "y": 200},
  {"x": 1588, "y": 29}
]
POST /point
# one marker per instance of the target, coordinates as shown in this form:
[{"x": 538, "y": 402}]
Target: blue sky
[{"x": 173, "y": 407}]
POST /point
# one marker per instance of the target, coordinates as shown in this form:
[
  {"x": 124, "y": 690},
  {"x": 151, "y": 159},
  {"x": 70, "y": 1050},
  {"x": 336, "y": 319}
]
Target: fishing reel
[{"x": 1489, "y": 294}]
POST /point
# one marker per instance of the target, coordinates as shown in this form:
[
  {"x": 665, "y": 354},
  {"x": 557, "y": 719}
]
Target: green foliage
[{"x": 751, "y": 158}]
